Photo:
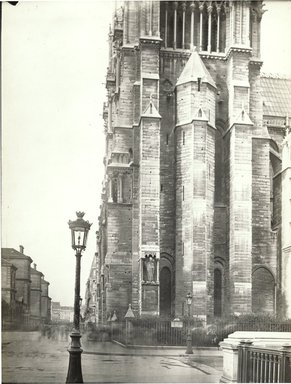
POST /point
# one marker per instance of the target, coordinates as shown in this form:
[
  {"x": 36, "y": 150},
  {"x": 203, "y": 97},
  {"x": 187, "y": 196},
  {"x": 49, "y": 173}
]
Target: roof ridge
[{"x": 275, "y": 76}]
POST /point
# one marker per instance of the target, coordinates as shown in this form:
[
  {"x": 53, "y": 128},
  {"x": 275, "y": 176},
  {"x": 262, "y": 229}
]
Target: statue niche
[{"x": 149, "y": 269}]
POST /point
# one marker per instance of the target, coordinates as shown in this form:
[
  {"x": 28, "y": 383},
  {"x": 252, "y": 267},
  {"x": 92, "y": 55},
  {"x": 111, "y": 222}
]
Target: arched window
[
  {"x": 114, "y": 189},
  {"x": 165, "y": 292},
  {"x": 217, "y": 292},
  {"x": 272, "y": 192},
  {"x": 275, "y": 186},
  {"x": 263, "y": 292},
  {"x": 219, "y": 167}
]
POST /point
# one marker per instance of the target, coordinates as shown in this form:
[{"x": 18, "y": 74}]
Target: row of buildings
[
  {"x": 197, "y": 186},
  {"x": 25, "y": 292},
  {"x": 61, "y": 313}
]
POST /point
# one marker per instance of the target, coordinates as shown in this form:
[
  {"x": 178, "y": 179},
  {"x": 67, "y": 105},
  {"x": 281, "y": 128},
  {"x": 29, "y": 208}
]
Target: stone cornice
[
  {"x": 185, "y": 54},
  {"x": 213, "y": 55},
  {"x": 256, "y": 62},
  {"x": 236, "y": 125},
  {"x": 177, "y": 53},
  {"x": 239, "y": 49},
  {"x": 122, "y": 127},
  {"x": 191, "y": 121},
  {"x": 150, "y": 117},
  {"x": 110, "y": 203},
  {"x": 150, "y": 40},
  {"x": 23, "y": 279},
  {"x": 6, "y": 289},
  {"x": 120, "y": 167},
  {"x": 128, "y": 49}
]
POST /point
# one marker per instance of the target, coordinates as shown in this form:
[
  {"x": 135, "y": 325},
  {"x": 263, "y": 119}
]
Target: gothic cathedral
[{"x": 193, "y": 186}]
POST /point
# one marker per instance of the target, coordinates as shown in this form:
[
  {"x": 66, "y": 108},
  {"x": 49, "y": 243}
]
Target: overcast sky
[{"x": 54, "y": 59}]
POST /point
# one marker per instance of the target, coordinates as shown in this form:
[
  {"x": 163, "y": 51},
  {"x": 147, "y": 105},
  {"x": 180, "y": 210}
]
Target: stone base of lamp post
[
  {"x": 75, "y": 351},
  {"x": 189, "y": 350}
]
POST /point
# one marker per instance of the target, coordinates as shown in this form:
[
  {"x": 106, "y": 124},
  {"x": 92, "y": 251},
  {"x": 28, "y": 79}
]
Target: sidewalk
[{"x": 29, "y": 358}]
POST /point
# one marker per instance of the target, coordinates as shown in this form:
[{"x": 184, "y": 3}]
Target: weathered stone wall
[
  {"x": 117, "y": 269},
  {"x": 199, "y": 195}
]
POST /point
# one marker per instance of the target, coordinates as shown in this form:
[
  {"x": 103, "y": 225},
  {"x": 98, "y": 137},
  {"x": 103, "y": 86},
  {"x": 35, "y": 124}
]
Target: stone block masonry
[{"x": 197, "y": 202}]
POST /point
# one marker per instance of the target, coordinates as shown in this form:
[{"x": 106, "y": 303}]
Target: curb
[{"x": 135, "y": 346}]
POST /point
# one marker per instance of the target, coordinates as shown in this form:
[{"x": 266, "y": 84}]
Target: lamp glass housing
[{"x": 79, "y": 232}]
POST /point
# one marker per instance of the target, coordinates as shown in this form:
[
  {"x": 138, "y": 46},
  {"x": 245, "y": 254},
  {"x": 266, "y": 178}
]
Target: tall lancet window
[
  {"x": 185, "y": 24},
  {"x": 272, "y": 192}
]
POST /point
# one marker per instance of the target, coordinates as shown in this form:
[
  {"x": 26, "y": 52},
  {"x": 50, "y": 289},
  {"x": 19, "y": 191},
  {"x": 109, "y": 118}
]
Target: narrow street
[{"x": 28, "y": 358}]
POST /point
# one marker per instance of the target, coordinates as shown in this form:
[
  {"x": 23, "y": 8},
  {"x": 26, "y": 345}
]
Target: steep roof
[
  {"x": 11, "y": 253},
  {"x": 35, "y": 271},
  {"x": 194, "y": 69},
  {"x": 276, "y": 96}
]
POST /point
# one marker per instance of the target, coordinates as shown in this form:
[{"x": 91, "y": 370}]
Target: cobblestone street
[{"x": 28, "y": 358}]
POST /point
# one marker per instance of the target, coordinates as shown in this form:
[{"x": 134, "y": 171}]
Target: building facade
[
  {"x": 45, "y": 301},
  {"x": 61, "y": 314},
  {"x": 286, "y": 224},
  {"x": 192, "y": 194},
  {"x": 22, "y": 291},
  {"x": 92, "y": 297},
  {"x": 35, "y": 293}
]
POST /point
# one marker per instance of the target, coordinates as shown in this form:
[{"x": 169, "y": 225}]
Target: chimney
[
  {"x": 34, "y": 265},
  {"x": 21, "y": 249}
]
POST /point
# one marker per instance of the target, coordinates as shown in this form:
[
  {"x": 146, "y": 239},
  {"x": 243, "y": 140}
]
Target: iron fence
[
  {"x": 161, "y": 332},
  {"x": 263, "y": 365}
]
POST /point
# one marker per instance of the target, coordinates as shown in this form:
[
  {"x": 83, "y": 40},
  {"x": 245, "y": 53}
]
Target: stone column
[
  {"x": 150, "y": 18},
  {"x": 209, "y": 10},
  {"x": 183, "y": 27},
  {"x": 218, "y": 8},
  {"x": 192, "y": 8},
  {"x": 201, "y": 6},
  {"x": 110, "y": 36},
  {"x": 110, "y": 200},
  {"x": 120, "y": 186},
  {"x": 149, "y": 170},
  {"x": 109, "y": 114},
  {"x": 166, "y": 24},
  {"x": 175, "y": 25},
  {"x": 240, "y": 217}
]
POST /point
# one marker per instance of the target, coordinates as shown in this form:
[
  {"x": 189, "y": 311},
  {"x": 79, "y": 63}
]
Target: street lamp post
[
  {"x": 79, "y": 231},
  {"x": 189, "y": 350}
]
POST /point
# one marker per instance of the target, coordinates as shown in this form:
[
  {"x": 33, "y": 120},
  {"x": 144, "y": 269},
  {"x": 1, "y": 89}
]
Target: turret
[{"x": 195, "y": 141}]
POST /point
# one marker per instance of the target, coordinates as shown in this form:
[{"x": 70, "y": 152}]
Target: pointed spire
[
  {"x": 129, "y": 313},
  {"x": 114, "y": 317},
  {"x": 242, "y": 118},
  {"x": 195, "y": 69},
  {"x": 151, "y": 110}
]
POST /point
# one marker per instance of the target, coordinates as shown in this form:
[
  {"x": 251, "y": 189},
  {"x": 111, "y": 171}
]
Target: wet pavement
[{"x": 29, "y": 358}]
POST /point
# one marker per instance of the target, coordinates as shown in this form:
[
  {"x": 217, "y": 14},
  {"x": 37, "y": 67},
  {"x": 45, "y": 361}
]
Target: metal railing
[
  {"x": 160, "y": 332},
  {"x": 263, "y": 365}
]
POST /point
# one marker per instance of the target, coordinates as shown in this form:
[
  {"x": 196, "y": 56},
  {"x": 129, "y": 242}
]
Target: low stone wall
[{"x": 229, "y": 348}]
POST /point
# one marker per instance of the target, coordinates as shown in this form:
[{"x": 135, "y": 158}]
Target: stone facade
[
  {"x": 193, "y": 188},
  {"x": 286, "y": 224},
  {"x": 35, "y": 294},
  {"x": 24, "y": 290},
  {"x": 61, "y": 314},
  {"x": 45, "y": 301}
]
